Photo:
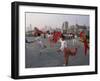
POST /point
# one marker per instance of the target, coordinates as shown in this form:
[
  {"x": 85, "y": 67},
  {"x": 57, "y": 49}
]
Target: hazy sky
[{"x": 54, "y": 20}]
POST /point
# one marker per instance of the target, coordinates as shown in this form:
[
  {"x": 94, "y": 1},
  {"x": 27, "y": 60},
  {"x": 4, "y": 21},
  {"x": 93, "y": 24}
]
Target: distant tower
[{"x": 65, "y": 27}]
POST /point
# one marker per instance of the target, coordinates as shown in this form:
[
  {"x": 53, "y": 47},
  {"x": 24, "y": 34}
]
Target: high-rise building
[{"x": 65, "y": 27}]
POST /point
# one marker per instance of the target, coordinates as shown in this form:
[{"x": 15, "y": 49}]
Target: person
[
  {"x": 65, "y": 50},
  {"x": 50, "y": 38},
  {"x": 55, "y": 37},
  {"x": 84, "y": 40},
  {"x": 74, "y": 39},
  {"x": 39, "y": 41}
]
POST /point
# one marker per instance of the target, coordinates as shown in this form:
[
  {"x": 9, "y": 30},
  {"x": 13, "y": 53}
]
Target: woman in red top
[{"x": 84, "y": 39}]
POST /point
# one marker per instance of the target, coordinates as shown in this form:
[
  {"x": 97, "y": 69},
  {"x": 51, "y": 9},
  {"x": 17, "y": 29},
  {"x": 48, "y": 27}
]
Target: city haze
[{"x": 42, "y": 20}]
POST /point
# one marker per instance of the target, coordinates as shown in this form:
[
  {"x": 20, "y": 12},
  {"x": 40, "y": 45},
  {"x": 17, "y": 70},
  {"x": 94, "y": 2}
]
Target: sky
[{"x": 41, "y": 20}]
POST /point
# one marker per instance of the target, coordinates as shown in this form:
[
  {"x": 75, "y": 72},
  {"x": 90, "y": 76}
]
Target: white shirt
[
  {"x": 38, "y": 38},
  {"x": 49, "y": 35},
  {"x": 63, "y": 44},
  {"x": 39, "y": 41}
]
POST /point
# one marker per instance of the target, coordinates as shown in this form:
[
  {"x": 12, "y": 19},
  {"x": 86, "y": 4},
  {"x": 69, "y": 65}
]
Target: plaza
[{"x": 36, "y": 56}]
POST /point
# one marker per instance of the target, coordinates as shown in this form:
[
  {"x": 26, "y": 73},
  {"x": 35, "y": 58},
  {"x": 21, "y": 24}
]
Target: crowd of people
[{"x": 56, "y": 36}]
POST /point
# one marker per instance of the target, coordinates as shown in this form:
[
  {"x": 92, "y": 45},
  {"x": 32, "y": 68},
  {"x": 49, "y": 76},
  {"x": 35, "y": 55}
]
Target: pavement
[{"x": 35, "y": 56}]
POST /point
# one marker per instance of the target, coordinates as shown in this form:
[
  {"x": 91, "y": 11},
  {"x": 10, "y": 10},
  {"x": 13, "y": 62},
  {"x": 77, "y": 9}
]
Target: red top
[{"x": 56, "y": 36}]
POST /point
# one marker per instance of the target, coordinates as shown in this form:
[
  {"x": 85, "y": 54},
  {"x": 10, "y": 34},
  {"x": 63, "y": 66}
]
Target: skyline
[{"x": 41, "y": 20}]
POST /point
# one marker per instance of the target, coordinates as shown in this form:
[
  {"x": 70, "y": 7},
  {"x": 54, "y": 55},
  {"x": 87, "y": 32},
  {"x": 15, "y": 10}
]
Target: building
[
  {"x": 65, "y": 27},
  {"x": 82, "y": 28}
]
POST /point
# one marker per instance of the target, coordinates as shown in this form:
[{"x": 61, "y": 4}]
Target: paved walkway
[{"x": 49, "y": 57}]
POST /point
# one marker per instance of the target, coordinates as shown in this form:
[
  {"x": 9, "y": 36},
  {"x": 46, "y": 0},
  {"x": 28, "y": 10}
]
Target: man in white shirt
[
  {"x": 62, "y": 48},
  {"x": 65, "y": 50}
]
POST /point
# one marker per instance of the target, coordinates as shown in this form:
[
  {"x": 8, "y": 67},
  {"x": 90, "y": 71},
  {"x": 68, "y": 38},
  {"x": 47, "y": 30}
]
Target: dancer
[
  {"x": 38, "y": 39},
  {"x": 53, "y": 37},
  {"x": 39, "y": 42},
  {"x": 74, "y": 39},
  {"x": 84, "y": 40},
  {"x": 56, "y": 36},
  {"x": 50, "y": 38},
  {"x": 65, "y": 50}
]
